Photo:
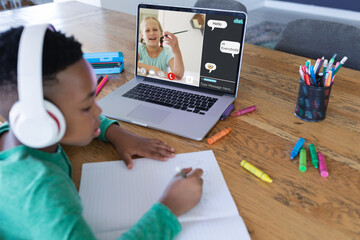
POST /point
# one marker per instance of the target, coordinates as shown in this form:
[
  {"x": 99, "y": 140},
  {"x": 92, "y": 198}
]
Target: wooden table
[{"x": 296, "y": 205}]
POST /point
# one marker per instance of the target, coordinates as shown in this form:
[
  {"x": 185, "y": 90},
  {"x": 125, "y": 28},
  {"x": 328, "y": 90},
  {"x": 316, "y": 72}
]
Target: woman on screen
[{"x": 158, "y": 51}]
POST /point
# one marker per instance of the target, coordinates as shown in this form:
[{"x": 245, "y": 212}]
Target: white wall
[{"x": 190, "y": 42}]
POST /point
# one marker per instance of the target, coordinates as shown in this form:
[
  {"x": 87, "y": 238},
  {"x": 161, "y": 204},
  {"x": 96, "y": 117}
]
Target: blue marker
[
  {"x": 332, "y": 76},
  {"x": 297, "y": 148},
  {"x": 312, "y": 73}
]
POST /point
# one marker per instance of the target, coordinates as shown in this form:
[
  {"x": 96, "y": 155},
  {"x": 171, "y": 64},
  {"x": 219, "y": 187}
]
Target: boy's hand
[
  {"x": 128, "y": 145},
  {"x": 182, "y": 194}
]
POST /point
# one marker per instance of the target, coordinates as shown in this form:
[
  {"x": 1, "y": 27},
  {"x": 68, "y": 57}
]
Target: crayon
[
  {"x": 302, "y": 161},
  {"x": 227, "y": 112},
  {"x": 245, "y": 110},
  {"x": 219, "y": 135},
  {"x": 297, "y": 147},
  {"x": 257, "y": 172},
  {"x": 314, "y": 158},
  {"x": 322, "y": 165}
]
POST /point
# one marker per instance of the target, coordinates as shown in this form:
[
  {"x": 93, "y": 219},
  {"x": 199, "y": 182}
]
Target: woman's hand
[
  {"x": 176, "y": 63},
  {"x": 172, "y": 41}
]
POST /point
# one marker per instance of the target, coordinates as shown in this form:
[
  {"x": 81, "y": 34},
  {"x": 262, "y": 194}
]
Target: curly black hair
[{"x": 59, "y": 52}]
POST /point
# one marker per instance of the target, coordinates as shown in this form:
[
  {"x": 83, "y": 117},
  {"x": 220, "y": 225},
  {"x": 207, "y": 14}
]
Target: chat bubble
[
  {"x": 216, "y": 24},
  {"x": 230, "y": 47},
  {"x": 210, "y": 66}
]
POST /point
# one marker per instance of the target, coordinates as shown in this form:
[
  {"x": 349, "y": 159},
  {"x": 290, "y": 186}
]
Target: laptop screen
[{"x": 197, "y": 47}]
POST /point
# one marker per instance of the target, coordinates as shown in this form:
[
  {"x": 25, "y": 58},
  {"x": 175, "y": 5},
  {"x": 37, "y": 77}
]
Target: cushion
[{"x": 317, "y": 38}]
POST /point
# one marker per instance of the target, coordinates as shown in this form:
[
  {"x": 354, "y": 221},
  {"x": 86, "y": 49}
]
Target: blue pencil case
[{"x": 106, "y": 62}]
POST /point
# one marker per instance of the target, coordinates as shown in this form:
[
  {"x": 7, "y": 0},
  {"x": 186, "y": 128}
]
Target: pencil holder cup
[{"x": 312, "y": 102}]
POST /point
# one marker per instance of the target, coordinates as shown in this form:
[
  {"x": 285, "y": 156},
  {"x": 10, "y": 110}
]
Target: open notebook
[{"x": 115, "y": 198}]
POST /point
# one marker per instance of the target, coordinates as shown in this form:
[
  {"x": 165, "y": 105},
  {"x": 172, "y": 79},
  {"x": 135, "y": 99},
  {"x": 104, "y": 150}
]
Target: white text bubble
[
  {"x": 216, "y": 24},
  {"x": 230, "y": 47},
  {"x": 210, "y": 66}
]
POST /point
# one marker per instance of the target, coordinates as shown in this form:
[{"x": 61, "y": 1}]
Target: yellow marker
[{"x": 257, "y": 172}]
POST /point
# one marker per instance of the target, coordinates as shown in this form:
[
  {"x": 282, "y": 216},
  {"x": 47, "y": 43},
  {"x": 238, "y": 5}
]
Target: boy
[{"x": 38, "y": 199}]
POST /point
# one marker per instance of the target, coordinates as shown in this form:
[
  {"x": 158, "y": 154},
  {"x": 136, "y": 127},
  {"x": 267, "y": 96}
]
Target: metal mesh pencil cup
[{"x": 312, "y": 102}]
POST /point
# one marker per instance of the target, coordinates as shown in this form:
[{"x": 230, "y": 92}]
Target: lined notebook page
[
  {"x": 231, "y": 228},
  {"x": 115, "y": 198}
]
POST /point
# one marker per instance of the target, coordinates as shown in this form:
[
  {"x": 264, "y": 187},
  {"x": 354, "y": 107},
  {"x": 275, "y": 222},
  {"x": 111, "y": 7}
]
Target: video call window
[{"x": 190, "y": 48}]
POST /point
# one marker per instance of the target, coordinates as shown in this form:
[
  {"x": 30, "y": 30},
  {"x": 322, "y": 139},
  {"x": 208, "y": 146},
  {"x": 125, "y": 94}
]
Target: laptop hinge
[{"x": 184, "y": 86}]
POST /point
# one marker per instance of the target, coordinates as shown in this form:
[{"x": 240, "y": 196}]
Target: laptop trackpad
[{"x": 149, "y": 114}]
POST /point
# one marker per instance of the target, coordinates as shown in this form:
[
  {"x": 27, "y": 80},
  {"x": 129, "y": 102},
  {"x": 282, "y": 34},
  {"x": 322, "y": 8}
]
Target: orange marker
[
  {"x": 219, "y": 135},
  {"x": 328, "y": 80}
]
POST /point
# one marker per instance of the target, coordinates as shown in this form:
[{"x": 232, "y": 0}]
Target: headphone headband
[{"x": 29, "y": 70}]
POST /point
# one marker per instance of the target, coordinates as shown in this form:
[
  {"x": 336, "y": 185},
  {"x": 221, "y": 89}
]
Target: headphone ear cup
[
  {"x": 58, "y": 117},
  {"x": 39, "y": 131}
]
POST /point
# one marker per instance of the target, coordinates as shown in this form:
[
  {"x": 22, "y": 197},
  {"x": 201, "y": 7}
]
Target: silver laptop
[{"x": 187, "y": 70}]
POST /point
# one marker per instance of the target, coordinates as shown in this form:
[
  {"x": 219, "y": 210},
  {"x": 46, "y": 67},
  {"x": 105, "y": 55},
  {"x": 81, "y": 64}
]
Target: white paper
[{"x": 114, "y": 198}]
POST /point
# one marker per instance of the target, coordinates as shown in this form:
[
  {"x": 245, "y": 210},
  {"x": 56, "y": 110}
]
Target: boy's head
[
  {"x": 68, "y": 82},
  {"x": 151, "y": 32}
]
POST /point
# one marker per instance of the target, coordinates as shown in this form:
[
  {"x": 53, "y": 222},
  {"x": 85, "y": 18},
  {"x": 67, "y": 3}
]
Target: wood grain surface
[{"x": 296, "y": 205}]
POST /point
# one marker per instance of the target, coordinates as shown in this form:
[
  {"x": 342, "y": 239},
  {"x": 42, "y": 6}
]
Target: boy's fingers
[
  {"x": 186, "y": 170},
  {"x": 155, "y": 155},
  {"x": 166, "y": 152},
  {"x": 163, "y": 145},
  {"x": 158, "y": 153},
  {"x": 197, "y": 173},
  {"x": 162, "y": 148},
  {"x": 128, "y": 161}
]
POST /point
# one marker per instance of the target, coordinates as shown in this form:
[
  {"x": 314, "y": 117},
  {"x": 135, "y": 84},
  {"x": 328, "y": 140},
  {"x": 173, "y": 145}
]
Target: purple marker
[
  {"x": 322, "y": 165},
  {"x": 227, "y": 112},
  {"x": 245, "y": 110}
]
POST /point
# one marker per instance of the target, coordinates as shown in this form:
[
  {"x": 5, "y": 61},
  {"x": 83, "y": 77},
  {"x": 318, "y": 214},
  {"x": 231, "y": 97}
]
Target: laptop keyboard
[{"x": 185, "y": 101}]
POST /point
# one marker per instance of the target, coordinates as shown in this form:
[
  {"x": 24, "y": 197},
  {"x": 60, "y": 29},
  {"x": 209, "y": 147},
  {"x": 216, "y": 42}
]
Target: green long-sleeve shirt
[{"x": 38, "y": 199}]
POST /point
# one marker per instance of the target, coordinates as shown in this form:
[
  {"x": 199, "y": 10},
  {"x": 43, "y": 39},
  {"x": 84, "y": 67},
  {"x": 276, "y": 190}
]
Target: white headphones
[{"x": 36, "y": 122}]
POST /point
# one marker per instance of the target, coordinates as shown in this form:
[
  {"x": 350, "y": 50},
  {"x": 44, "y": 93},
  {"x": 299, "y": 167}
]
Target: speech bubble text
[
  {"x": 210, "y": 66},
  {"x": 216, "y": 24},
  {"x": 230, "y": 47}
]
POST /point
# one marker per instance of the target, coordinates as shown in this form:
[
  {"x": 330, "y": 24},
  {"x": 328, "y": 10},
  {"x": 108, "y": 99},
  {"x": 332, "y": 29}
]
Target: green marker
[
  {"x": 331, "y": 62},
  {"x": 302, "y": 161},
  {"x": 308, "y": 64},
  {"x": 313, "y": 154},
  {"x": 324, "y": 70},
  {"x": 340, "y": 64}
]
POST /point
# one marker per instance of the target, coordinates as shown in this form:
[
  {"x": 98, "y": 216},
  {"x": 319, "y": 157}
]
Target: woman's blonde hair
[{"x": 160, "y": 27}]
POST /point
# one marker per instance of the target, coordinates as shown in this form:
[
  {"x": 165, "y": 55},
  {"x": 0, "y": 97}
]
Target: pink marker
[
  {"x": 101, "y": 85},
  {"x": 245, "y": 110},
  {"x": 322, "y": 165}
]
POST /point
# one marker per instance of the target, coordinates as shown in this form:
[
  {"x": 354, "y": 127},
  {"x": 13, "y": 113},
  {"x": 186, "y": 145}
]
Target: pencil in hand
[{"x": 179, "y": 171}]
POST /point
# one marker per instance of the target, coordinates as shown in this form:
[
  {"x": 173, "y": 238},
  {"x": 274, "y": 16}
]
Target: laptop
[{"x": 186, "y": 75}]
